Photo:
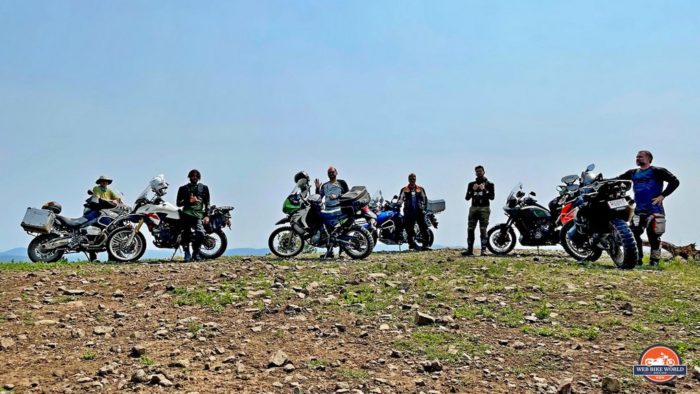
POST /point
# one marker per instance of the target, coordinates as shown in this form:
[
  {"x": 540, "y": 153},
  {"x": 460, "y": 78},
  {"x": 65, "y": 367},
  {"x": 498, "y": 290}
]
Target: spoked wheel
[
  {"x": 624, "y": 249},
  {"x": 501, "y": 239},
  {"x": 579, "y": 251},
  {"x": 36, "y": 250},
  {"x": 123, "y": 248},
  {"x": 357, "y": 243},
  {"x": 285, "y": 243},
  {"x": 214, "y": 245}
]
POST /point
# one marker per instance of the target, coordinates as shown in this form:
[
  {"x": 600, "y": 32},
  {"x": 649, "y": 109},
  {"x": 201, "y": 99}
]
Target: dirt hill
[{"x": 395, "y": 323}]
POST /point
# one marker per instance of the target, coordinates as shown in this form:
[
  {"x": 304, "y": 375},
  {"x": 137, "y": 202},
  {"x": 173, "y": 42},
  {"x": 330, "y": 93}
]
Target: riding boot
[
  {"x": 92, "y": 256},
  {"x": 484, "y": 243},
  {"x": 195, "y": 252},
  {"x": 470, "y": 248},
  {"x": 186, "y": 250}
]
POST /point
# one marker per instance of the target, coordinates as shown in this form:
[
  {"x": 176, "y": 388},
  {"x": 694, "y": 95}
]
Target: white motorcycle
[{"x": 165, "y": 225}]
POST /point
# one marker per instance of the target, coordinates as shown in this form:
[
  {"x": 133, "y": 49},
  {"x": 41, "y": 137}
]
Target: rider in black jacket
[{"x": 194, "y": 199}]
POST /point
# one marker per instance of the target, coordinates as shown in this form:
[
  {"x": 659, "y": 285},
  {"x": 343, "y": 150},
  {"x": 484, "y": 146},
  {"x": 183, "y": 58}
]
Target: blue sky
[{"x": 251, "y": 92}]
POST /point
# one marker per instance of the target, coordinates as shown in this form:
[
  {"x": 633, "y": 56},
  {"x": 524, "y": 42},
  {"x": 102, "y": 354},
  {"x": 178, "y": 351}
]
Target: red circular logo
[{"x": 659, "y": 356}]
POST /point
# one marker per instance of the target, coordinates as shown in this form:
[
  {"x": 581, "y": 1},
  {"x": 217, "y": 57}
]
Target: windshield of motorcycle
[{"x": 516, "y": 188}]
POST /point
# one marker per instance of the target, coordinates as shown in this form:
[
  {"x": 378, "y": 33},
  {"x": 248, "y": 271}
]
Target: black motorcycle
[
  {"x": 537, "y": 225},
  {"x": 602, "y": 213},
  {"x": 308, "y": 222}
]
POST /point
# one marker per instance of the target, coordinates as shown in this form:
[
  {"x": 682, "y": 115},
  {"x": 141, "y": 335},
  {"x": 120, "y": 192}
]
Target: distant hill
[{"x": 20, "y": 254}]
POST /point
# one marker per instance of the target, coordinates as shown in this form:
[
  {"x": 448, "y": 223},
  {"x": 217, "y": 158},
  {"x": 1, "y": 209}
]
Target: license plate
[{"x": 619, "y": 203}]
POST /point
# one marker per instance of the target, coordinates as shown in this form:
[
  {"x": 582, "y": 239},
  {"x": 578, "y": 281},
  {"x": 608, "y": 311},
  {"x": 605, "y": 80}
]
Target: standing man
[
  {"x": 649, "y": 194},
  {"x": 333, "y": 189},
  {"x": 481, "y": 191},
  {"x": 414, "y": 200},
  {"x": 194, "y": 199}
]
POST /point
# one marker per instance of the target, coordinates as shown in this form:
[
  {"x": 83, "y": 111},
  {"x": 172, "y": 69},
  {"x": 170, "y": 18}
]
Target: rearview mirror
[
  {"x": 89, "y": 192},
  {"x": 533, "y": 194},
  {"x": 569, "y": 179},
  {"x": 590, "y": 167}
]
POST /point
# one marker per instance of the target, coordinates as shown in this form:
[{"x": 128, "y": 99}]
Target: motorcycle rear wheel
[
  {"x": 361, "y": 243},
  {"x": 119, "y": 251},
  {"x": 214, "y": 245},
  {"x": 578, "y": 252},
  {"x": 499, "y": 240},
  {"x": 36, "y": 254},
  {"x": 626, "y": 255},
  {"x": 284, "y": 242}
]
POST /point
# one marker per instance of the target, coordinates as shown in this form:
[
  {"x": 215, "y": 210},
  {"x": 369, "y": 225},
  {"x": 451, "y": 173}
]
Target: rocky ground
[{"x": 432, "y": 322}]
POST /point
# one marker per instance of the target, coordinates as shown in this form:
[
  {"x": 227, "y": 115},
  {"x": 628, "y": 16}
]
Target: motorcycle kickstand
[{"x": 172, "y": 258}]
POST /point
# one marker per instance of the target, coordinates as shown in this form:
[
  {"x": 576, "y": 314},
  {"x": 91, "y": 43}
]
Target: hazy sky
[{"x": 252, "y": 92}]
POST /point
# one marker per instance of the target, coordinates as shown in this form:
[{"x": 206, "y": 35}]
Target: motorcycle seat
[{"x": 77, "y": 222}]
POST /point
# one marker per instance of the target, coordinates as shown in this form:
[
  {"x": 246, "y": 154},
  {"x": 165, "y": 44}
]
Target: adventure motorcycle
[
  {"x": 56, "y": 235},
  {"x": 537, "y": 225},
  {"x": 389, "y": 228},
  {"x": 163, "y": 222},
  {"x": 308, "y": 222},
  {"x": 601, "y": 213}
]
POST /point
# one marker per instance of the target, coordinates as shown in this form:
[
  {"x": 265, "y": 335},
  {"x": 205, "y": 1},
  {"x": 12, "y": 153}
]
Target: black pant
[
  {"x": 190, "y": 224},
  {"x": 654, "y": 238},
  {"x": 410, "y": 219}
]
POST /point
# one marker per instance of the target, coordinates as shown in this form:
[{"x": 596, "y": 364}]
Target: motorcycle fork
[{"x": 136, "y": 230}]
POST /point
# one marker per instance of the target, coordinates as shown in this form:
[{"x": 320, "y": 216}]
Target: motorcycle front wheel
[
  {"x": 357, "y": 243},
  {"x": 578, "y": 252},
  {"x": 624, "y": 250},
  {"x": 214, "y": 245},
  {"x": 37, "y": 253},
  {"x": 284, "y": 242},
  {"x": 121, "y": 250},
  {"x": 501, "y": 239}
]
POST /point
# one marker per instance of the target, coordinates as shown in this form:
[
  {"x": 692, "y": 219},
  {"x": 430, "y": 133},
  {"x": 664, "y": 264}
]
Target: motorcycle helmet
[
  {"x": 53, "y": 207},
  {"x": 301, "y": 175}
]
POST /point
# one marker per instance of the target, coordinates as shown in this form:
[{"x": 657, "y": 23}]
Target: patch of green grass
[
  {"x": 543, "y": 311},
  {"x": 548, "y": 331},
  {"x": 146, "y": 361},
  {"x": 640, "y": 328},
  {"x": 64, "y": 299},
  {"x": 353, "y": 373},
  {"x": 195, "y": 327},
  {"x": 510, "y": 317},
  {"x": 317, "y": 364},
  {"x": 440, "y": 345},
  {"x": 369, "y": 298},
  {"x": 28, "y": 267},
  {"x": 88, "y": 355},
  {"x": 610, "y": 322},
  {"x": 590, "y": 333}
]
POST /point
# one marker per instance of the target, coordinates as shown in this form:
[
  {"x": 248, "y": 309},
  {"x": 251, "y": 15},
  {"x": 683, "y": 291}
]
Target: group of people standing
[
  {"x": 649, "y": 215},
  {"x": 648, "y": 184},
  {"x": 194, "y": 200}
]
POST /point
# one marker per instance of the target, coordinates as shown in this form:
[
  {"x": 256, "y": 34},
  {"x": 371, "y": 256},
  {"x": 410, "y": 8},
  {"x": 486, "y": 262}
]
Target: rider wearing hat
[{"x": 104, "y": 192}]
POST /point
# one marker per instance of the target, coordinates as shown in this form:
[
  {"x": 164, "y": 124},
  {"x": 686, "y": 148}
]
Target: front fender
[{"x": 283, "y": 221}]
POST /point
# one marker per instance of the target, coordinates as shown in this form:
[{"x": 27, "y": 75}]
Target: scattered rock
[
  {"x": 503, "y": 342},
  {"x": 565, "y": 388},
  {"x": 431, "y": 366},
  {"x": 45, "y": 322},
  {"x": 137, "y": 351},
  {"x": 181, "y": 363},
  {"x": 384, "y": 327},
  {"x": 696, "y": 372},
  {"x": 519, "y": 345},
  {"x": 480, "y": 300},
  {"x": 118, "y": 294},
  {"x": 161, "y": 380},
  {"x": 73, "y": 292},
  {"x": 140, "y": 376},
  {"x": 102, "y": 330},
  {"x": 610, "y": 385},
  {"x": 278, "y": 359},
  {"x": 423, "y": 319},
  {"x": 6, "y": 343}
]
